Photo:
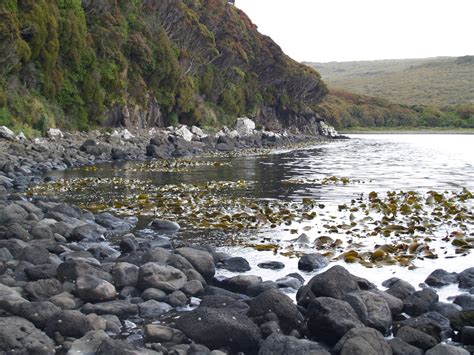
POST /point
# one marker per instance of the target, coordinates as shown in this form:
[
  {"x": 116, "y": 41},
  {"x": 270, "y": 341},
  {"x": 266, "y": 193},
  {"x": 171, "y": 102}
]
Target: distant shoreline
[{"x": 407, "y": 131}]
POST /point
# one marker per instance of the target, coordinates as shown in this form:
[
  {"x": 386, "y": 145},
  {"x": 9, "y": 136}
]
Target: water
[{"x": 374, "y": 162}]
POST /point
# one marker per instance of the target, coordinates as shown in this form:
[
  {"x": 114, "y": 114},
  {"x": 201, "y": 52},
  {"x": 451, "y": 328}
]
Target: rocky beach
[{"x": 76, "y": 282}]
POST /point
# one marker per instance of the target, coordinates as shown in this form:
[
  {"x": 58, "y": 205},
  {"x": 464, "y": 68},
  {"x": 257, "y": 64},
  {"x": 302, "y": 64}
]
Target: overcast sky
[{"x": 344, "y": 30}]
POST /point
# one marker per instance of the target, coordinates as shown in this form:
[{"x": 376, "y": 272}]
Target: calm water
[{"x": 381, "y": 162}]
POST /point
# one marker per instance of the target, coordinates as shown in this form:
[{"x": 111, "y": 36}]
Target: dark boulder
[
  {"x": 465, "y": 301},
  {"x": 335, "y": 283},
  {"x": 466, "y": 278},
  {"x": 162, "y": 277},
  {"x": 400, "y": 347},
  {"x": 362, "y": 341},
  {"x": 90, "y": 288},
  {"x": 416, "y": 338},
  {"x": 69, "y": 324},
  {"x": 398, "y": 288},
  {"x": 328, "y": 319},
  {"x": 119, "y": 308},
  {"x": 420, "y": 302},
  {"x": 234, "y": 264},
  {"x": 71, "y": 269},
  {"x": 440, "y": 278},
  {"x": 446, "y": 349},
  {"x": 41, "y": 290},
  {"x": 201, "y": 260},
  {"x": 278, "y": 344},
  {"x": 39, "y": 313},
  {"x": 272, "y": 265},
  {"x": 216, "y": 328},
  {"x": 312, "y": 262},
  {"x": 226, "y": 302}
]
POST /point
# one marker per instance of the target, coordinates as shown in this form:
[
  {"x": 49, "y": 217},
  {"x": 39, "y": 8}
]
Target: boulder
[
  {"x": 54, "y": 133},
  {"x": 177, "y": 299},
  {"x": 119, "y": 308},
  {"x": 372, "y": 309},
  {"x": 335, "y": 282},
  {"x": 44, "y": 271},
  {"x": 362, "y": 341},
  {"x": 448, "y": 310},
  {"x": 241, "y": 283},
  {"x": 279, "y": 304},
  {"x": 466, "y": 301},
  {"x": 125, "y": 274},
  {"x": 329, "y": 319},
  {"x": 446, "y": 349},
  {"x": 216, "y": 328},
  {"x": 6, "y": 133},
  {"x": 41, "y": 290},
  {"x": 153, "y": 309},
  {"x": 278, "y": 344},
  {"x": 289, "y": 282},
  {"x": 416, "y": 338},
  {"x": 440, "y": 278},
  {"x": 162, "y": 277},
  {"x": 89, "y": 344},
  {"x": 193, "y": 288},
  {"x": 245, "y": 126},
  {"x": 154, "y": 294},
  {"x": 164, "y": 225},
  {"x": 93, "y": 289},
  {"x": 467, "y": 335},
  {"x": 466, "y": 278},
  {"x": 69, "y": 324},
  {"x": 184, "y": 133},
  {"x": 432, "y": 323},
  {"x": 71, "y": 269},
  {"x": 201, "y": 260},
  {"x": 235, "y": 264},
  {"x": 419, "y": 302},
  {"x": 12, "y": 213},
  {"x": 398, "y": 288},
  {"x": 155, "y": 333},
  {"x": 399, "y": 347},
  {"x": 19, "y": 336},
  {"x": 312, "y": 262},
  {"x": 39, "y": 313},
  {"x": 462, "y": 319},
  {"x": 88, "y": 233},
  {"x": 221, "y": 301},
  {"x": 272, "y": 265},
  {"x": 395, "y": 304}
]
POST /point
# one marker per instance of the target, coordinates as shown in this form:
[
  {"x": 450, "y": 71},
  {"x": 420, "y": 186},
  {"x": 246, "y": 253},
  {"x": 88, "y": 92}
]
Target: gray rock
[
  {"x": 153, "y": 309},
  {"x": 164, "y": 225},
  {"x": 71, "y": 269},
  {"x": 395, "y": 304},
  {"x": 6, "y": 133},
  {"x": 216, "y": 328},
  {"x": 119, "y": 308},
  {"x": 12, "y": 213},
  {"x": 162, "y": 277},
  {"x": 5, "y": 255},
  {"x": 235, "y": 264},
  {"x": 109, "y": 221},
  {"x": 372, "y": 309},
  {"x": 329, "y": 319},
  {"x": 155, "y": 333},
  {"x": 129, "y": 243},
  {"x": 398, "y": 288},
  {"x": 255, "y": 290},
  {"x": 289, "y": 282},
  {"x": 362, "y": 341},
  {"x": 125, "y": 274},
  {"x": 440, "y": 278},
  {"x": 193, "y": 288},
  {"x": 465, "y": 301},
  {"x": 42, "y": 290},
  {"x": 399, "y": 347},
  {"x": 69, "y": 324},
  {"x": 447, "y": 310},
  {"x": 92, "y": 289},
  {"x": 88, "y": 233},
  {"x": 201, "y": 260},
  {"x": 335, "y": 282},
  {"x": 462, "y": 319},
  {"x": 446, "y": 349},
  {"x": 241, "y": 283},
  {"x": 432, "y": 323},
  {"x": 177, "y": 299},
  {"x": 154, "y": 294},
  {"x": 277, "y": 344},
  {"x": 272, "y": 265},
  {"x": 279, "y": 304},
  {"x": 19, "y": 336},
  {"x": 216, "y": 301},
  {"x": 65, "y": 301},
  {"x": 89, "y": 344},
  {"x": 36, "y": 255},
  {"x": 39, "y": 313},
  {"x": 466, "y": 278},
  {"x": 312, "y": 262},
  {"x": 416, "y": 338},
  {"x": 419, "y": 302},
  {"x": 467, "y": 335}
]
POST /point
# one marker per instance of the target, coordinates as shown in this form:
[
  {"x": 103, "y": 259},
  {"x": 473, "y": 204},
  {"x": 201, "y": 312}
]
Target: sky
[{"x": 346, "y": 30}]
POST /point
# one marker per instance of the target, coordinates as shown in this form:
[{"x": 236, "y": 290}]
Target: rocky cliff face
[{"x": 146, "y": 63}]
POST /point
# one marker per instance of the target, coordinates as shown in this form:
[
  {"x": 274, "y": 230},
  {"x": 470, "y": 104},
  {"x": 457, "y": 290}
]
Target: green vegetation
[
  {"x": 69, "y": 63},
  {"x": 437, "y": 82}
]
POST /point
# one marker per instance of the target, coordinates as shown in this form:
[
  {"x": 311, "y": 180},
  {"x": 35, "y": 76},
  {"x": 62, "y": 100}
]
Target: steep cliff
[{"x": 78, "y": 64}]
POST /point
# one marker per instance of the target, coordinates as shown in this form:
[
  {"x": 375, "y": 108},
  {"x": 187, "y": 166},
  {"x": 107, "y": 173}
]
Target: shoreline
[
  {"x": 408, "y": 131},
  {"x": 74, "y": 293}
]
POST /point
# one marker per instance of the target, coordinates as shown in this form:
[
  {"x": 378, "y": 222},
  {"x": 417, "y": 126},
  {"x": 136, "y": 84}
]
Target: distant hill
[{"x": 433, "y": 81}]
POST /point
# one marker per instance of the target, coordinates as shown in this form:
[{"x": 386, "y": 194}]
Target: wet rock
[
  {"x": 177, "y": 299},
  {"x": 395, "y": 304},
  {"x": 244, "y": 126},
  {"x": 372, "y": 309},
  {"x": 235, "y": 264},
  {"x": 92, "y": 289},
  {"x": 272, "y": 265},
  {"x": 193, "y": 288},
  {"x": 39, "y": 313},
  {"x": 6, "y": 133},
  {"x": 447, "y": 310},
  {"x": 440, "y": 278},
  {"x": 289, "y": 282},
  {"x": 329, "y": 319},
  {"x": 153, "y": 309},
  {"x": 273, "y": 301},
  {"x": 19, "y": 336},
  {"x": 129, "y": 243},
  {"x": 12, "y": 213},
  {"x": 241, "y": 283},
  {"x": 462, "y": 319},
  {"x": 277, "y": 344},
  {"x": 164, "y": 225},
  {"x": 155, "y": 333},
  {"x": 256, "y": 289},
  {"x": 65, "y": 301},
  {"x": 154, "y": 294},
  {"x": 5, "y": 255},
  {"x": 125, "y": 274},
  {"x": 109, "y": 221},
  {"x": 431, "y": 323},
  {"x": 466, "y": 278},
  {"x": 465, "y": 301},
  {"x": 335, "y": 282},
  {"x": 467, "y": 335},
  {"x": 216, "y": 328},
  {"x": 399, "y": 347},
  {"x": 119, "y": 308},
  {"x": 44, "y": 271},
  {"x": 446, "y": 349},
  {"x": 311, "y": 262},
  {"x": 362, "y": 341},
  {"x": 416, "y": 338},
  {"x": 69, "y": 324},
  {"x": 89, "y": 344},
  {"x": 398, "y": 288},
  {"x": 166, "y": 278},
  {"x": 216, "y": 301},
  {"x": 71, "y": 269},
  {"x": 420, "y": 302},
  {"x": 88, "y": 233},
  {"x": 201, "y": 260},
  {"x": 41, "y": 290}
]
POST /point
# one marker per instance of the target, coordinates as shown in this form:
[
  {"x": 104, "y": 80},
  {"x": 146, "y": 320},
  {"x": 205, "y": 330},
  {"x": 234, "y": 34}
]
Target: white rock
[
  {"x": 327, "y": 130},
  {"x": 198, "y": 131},
  {"x": 40, "y": 141},
  {"x": 234, "y": 134},
  {"x": 6, "y": 133},
  {"x": 245, "y": 126},
  {"x": 126, "y": 134},
  {"x": 184, "y": 133},
  {"x": 54, "y": 133},
  {"x": 21, "y": 137}
]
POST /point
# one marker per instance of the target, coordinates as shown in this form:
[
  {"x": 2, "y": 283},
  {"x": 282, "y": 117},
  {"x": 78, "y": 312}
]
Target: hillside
[
  {"x": 81, "y": 64},
  {"x": 433, "y": 81}
]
